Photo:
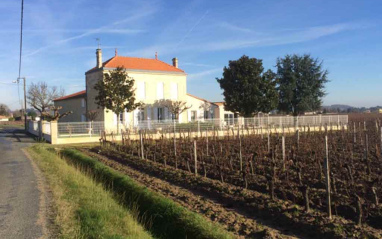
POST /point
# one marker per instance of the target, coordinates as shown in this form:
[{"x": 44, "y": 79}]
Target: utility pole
[
  {"x": 21, "y": 50},
  {"x": 25, "y": 101}
]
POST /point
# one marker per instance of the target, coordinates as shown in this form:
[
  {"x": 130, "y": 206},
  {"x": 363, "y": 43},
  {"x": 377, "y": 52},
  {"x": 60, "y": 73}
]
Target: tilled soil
[
  {"x": 244, "y": 212},
  {"x": 241, "y": 225}
]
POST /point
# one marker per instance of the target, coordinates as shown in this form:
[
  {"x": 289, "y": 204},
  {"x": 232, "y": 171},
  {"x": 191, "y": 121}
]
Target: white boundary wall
[{"x": 85, "y": 132}]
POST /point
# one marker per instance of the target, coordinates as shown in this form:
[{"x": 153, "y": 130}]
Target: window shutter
[
  {"x": 115, "y": 118},
  {"x": 189, "y": 115},
  {"x": 165, "y": 114},
  {"x": 148, "y": 113},
  {"x": 174, "y": 91},
  {"x": 135, "y": 117},
  {"x": 141, "y": 90},
  {"x": 201, "y": 115},
  {"x": 155, "y": 113},
  {"x": 160, "y": 90}
]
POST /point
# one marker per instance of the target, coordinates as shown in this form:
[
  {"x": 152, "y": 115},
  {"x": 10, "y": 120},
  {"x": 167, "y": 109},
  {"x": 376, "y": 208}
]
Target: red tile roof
[
  {"x": 135, "y": 63},
  {"x": 81, "y": 93}
]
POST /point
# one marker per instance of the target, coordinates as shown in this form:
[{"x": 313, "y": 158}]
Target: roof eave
[{"x": 148, "y": 71}]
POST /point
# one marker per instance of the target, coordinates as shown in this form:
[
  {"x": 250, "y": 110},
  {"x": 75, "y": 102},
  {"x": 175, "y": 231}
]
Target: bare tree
[
  {"x": 56, "y": 114},
  {"x": 41, "y": 97},
  {"x": 91, "y": 115},
  {"x": 4, "y": 110},
  {"x": 174, "y": 107}
]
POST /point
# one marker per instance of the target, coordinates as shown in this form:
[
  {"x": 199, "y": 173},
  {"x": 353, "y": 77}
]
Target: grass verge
[
  {"x": 84, "y": 209},
  {"x": 169, "y": 220}
]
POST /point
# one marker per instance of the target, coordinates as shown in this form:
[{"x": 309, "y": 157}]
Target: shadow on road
[{"x": 17, "y": 135}]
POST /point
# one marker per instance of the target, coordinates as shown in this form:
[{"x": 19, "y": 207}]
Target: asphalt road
[{"x": 19, "y": 193}]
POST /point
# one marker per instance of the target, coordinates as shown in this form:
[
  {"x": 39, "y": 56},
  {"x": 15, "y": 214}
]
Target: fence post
[
  {"x": 283, "y": 149},
  {"x": 195, "y": 158},
  {"x": 198, "y": 128},
  {"x": 298, "y": 138},
  {"x": 240, "y": 155},
  {"x": 141, "y": 139},
  {"x": 327, "y": 179},
  {"x": 53, "y": 132},
  {"x": 207, "y": 140}
]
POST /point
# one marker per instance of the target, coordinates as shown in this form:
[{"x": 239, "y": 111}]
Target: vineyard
[{"x": 332, "y": 176}]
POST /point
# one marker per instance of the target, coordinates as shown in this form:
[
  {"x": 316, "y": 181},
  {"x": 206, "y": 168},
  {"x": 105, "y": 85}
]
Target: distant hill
[
  {"x": 348, "y": 108},
  {"x": 338, "y": 106}
]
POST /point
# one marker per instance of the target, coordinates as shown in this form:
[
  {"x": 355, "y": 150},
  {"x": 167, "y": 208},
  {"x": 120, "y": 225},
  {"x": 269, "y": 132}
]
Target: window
[
  {"x": 83, "y": 118},
  {"x": 141, "y": 115},
  {"x": 206, "y": 114},
  {"x": 83, "y": 103},
  {"x": 160, "y": 114},
  {"x": 121, "y": 118},
  {"x": 193, "y": 115},
  {"x": 228, "y": 118},
  {"x": 174, "y": 91},
  {"x": 160, "y": 94},
  {"x": 141, "y": 91}
]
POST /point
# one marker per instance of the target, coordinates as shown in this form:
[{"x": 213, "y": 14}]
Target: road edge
[{"x": 46, "y": 212}]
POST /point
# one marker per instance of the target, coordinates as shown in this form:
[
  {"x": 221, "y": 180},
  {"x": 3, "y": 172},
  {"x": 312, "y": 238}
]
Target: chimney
[
  {"x": 116, "y": 51},
  {"x": 99, "y": 57},
  {"x": 156, "y": 55},
  {"x": 175, "y": 62}
]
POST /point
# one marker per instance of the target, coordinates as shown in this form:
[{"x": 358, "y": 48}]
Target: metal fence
[
  {"x": 68, "y": 129},
  {"x": 95, "y": 128},
  {"x": 291, "y": 121}
]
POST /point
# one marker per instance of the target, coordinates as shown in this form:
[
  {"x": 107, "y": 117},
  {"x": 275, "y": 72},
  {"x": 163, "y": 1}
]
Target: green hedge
[{"x": 169, "y": 220}]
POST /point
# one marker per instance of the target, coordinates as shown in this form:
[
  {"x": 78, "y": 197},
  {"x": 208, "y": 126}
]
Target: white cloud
[
  {"x": 238, "y": 41},
  {"x": 108, "y": 28},
  {"x": 272, "y": 39}
]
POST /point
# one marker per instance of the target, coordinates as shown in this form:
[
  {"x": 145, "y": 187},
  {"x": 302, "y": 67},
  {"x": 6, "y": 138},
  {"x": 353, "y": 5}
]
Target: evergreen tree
[
  {"x": 301, "y": 84},
  {"x": 247, "y": 88},
  {"x": 116, "y": 92}
]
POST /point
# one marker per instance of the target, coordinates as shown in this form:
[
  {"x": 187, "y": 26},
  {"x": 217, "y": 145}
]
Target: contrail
[
  {"x": 91, "y": 32},
  {"x": 192, "y": 28}
]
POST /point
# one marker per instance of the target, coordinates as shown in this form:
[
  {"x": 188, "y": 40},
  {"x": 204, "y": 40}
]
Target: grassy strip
[
  {"x": 169, "y": 220},
  {"x": 83, "y": 208}
]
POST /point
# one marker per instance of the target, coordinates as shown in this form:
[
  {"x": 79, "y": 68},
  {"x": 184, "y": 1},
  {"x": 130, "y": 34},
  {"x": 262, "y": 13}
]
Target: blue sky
[{"x": 59, "y": 40}]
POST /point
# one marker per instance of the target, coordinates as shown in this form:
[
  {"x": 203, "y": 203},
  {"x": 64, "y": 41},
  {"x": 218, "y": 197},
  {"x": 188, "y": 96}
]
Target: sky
[{"x": 59, "y": 40}]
